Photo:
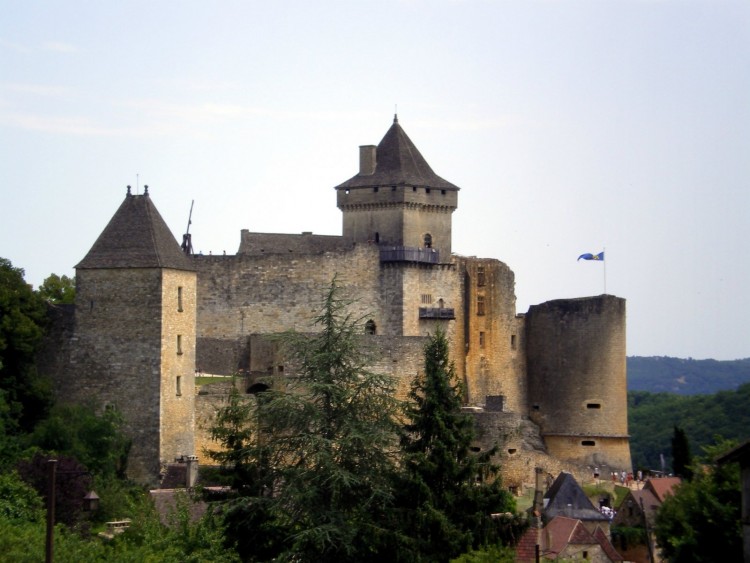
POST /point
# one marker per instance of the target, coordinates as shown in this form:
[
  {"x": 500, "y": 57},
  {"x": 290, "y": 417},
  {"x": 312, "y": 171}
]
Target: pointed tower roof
[
  {"x": 398, "y": 163},
  {"x": 566, "y": 498},
  {"x": 136, "y": 237}
]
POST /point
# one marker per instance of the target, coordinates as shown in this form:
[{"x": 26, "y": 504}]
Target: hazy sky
[{"x": 570, "y": 126}]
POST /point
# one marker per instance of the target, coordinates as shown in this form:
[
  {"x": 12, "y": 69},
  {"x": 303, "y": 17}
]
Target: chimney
[
  {"x": 368, "y": 159},
  {"x": 191, "y": 472}
]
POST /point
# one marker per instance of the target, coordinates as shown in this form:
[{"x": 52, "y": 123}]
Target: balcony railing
[
  {"x": 436, "y": 313},
  {"x": 409, "y": 254}
]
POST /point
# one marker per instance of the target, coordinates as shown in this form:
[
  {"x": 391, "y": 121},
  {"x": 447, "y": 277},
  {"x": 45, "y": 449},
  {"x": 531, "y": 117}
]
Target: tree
[
  {"x": 96, "y": 440},
  {"x": 323, "y": 454},
  {"x": 449, "y": 491},
  {"x": 701, "y": 520},
  {"x": 58, "y": 289},
  {"x": 681, "y": 459},
  {"x": 22, "y": 321}
]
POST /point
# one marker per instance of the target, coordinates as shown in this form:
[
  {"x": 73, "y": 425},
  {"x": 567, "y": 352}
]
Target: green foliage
[
  {"x": 97, "y": 441},
  {"x": 58, "y": 289},
  {"x": 701, "y": 521},
  {"x": 316, "y": 474},
  {"x": 22, "y": 320},
  {"x": 686, "y": 376},
  {"x": 18, "y": 500},
  {"x": 652, "y": 417},
  {"x": 681, "y": 458},
  {"x": 490, "y": 554},
  {"x": 447, "y": 493},
  {"x": 625, "y": 536}
]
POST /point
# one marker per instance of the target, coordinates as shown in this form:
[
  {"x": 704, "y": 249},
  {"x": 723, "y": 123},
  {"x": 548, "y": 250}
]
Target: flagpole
[{"x": 604, "y": 252}]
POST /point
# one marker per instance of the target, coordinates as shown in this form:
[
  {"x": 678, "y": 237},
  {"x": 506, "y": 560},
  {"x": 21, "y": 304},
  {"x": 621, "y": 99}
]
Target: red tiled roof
[{"x": 662, "y": 486}]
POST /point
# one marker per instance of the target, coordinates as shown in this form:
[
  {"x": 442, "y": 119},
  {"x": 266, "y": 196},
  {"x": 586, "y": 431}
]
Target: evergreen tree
[
  {"x": 681, "y": 459},
  {"x": 448, "y": 493},
  {"x": 323, "y": 450}
]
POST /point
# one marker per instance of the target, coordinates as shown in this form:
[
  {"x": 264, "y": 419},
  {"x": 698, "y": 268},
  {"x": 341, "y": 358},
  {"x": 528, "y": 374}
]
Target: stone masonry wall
[{"x": 177, "y": 413}]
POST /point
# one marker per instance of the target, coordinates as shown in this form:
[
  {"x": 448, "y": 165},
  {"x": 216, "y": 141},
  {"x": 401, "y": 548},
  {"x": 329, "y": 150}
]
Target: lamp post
[{"x": 90, "y": 503}]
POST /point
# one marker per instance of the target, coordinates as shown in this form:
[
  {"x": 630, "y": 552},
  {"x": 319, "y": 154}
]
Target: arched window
[
  {"x": 428, "y": 240},
  {"x": 370, "y": 327}
]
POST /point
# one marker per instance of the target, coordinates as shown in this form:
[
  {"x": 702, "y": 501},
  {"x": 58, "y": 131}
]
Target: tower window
[
  {"x": 480, "y": 276},
  {"x": 370, "y": 327},
  {"x": 427, "y": 190},
  {"x": 593, "y": 405},
  {"x": 179, "y": 299},
  {"x": 428, "y": 240},
  {"x": 588, "y": 443},
  {"x": 179, "y": 344},
  {"x": 375, "y": 189},
  {"x": 426, "y": 298},
  {"x": 480, "y": 304},
  {"x": 481, "y": 339},
  {"x": 513, "y": 342},
  {"x": 346, "y": 191},
  {"x": 178, "y": 386},
  {"x": 414, "y": 188},
  {"x": 377, "y": 238},
  {"x": 442, "y": 192}
]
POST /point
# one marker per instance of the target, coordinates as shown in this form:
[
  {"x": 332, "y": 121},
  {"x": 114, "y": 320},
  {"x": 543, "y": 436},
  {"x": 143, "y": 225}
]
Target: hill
[
  {"x": 662, "y": 374},
  {"x": 653, "y": 416}
]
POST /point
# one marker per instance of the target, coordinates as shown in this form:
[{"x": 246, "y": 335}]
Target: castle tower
[
  {"x": 396, "y": 199},
  {"x": 399, "y": 204},
  {"x": 577, "y": 380},
  {"x": 134, "y": 345}
]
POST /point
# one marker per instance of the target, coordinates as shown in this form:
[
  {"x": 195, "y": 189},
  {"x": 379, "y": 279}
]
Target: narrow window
[
  {"x": 593, "y": 405},
  {"x": 441, "y": 303},
  {"x": 178, "y": 385},
  {"x": 535, "y": 407},
  {"x": 370, "y": 327},
  {"x": 377, "y": 238},
  {"x": 588, "y": 443},
  {"x": 428, "y": 240},
  {"x": 179, "y": 344},
  {"x": 280, "y": 369},
  {"x": 512, "y": 341},
  {"x": 375, "y": 189},
  {"x": 427, "y": 190},
  {"x": 414, "y": 188},
  {"x": 480, "y": 276},
  {"x": 481, "y": 340},
  {"x": 480, "y": 304},
  {"x": 179, "y": 299}
]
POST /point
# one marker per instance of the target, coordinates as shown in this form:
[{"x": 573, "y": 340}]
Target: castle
[{"x": 548, "y": 386}]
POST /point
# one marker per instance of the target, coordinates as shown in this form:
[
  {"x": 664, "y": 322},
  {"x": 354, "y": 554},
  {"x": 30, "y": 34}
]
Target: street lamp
[{"x": 90, "y": 503}]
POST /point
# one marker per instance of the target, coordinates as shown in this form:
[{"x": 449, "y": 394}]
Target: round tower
[{"x": 577, "y": 380}]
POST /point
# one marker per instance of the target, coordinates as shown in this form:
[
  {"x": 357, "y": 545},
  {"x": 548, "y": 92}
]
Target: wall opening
[
  {"x": 480, "y": 304},
  {"x": 481, "y": 339},
  {"x": 179, "y": 344},
  {"x": 588, "y": 443},
  {"x": 593, "y": 405},
  {"x": 480, "y": 276},
  {"x": 178, "y": 385},
  {"x": 179, "y": 299},
  {"x": 513, "y": 343},
  {"x": 370, "y": 327},
  {"x": 428, "y": 240}
]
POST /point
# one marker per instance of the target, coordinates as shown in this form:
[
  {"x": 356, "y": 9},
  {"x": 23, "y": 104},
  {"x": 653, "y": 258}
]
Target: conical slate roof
[
  {"x": 398, "y": 163},
  {"x": 566, "y": 498},
  {"x": 136, "y": 237}
]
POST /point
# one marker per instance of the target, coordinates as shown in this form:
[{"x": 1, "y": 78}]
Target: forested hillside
[
  {"x": 685, "y": 376},
  {"x": 653, "y": 416}
]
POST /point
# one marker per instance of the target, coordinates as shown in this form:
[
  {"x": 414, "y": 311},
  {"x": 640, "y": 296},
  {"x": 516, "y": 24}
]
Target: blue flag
[{"x": 589, "y": 256}]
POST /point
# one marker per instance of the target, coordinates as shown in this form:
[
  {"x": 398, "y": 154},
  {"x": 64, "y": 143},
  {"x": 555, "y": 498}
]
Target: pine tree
[
  {"x": 448, "y": 492},
  {"x": 325, "y": 446}
]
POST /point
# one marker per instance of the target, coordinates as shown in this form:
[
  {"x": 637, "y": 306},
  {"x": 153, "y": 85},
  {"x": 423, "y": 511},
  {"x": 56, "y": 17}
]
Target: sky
[{"x": 571, "y": 126}]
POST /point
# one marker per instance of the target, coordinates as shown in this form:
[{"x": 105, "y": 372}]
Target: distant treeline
[
  {"x": 685, "y": 376},
  {"x": 653, "y": 416}
]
